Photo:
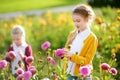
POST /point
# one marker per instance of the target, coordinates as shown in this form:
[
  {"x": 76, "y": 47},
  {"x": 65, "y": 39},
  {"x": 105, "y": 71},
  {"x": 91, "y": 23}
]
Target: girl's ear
[{"x": 89, "y": 19}]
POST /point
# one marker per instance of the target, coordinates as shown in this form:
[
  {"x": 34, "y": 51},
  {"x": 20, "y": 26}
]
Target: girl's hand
[
  {"x": 67, "y": 53},
  {"x": 9, "y": 56},
  {"x": 6, "y": 55},
  {"x": 21, "y": 54}
]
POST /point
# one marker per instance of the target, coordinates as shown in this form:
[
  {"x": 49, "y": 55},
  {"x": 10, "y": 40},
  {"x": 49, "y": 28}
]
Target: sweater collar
[{"x": 84, "y": 33}]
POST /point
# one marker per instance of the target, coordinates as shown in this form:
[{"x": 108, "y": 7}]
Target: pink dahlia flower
[
  {"x": 105, "y": 66},
  {"x": 32, "y": 69},
  {"x": 29, "y": 59},
  {"x": 45, "y": 79},
  {"x": 85, "y": 70},
  {"x": 59, "y": 53},
  {"x": 113, "y": 71},
  {"x": 51, "y": 60},
  {"x": 45, "y": 45},
  {"x": 11, "y": 54},
  {"x": 3, "y": 64},
  {"x": 19, "y": 77},
  {"x": 20, "y": 71},
  {"x": 27, "y": 75}
]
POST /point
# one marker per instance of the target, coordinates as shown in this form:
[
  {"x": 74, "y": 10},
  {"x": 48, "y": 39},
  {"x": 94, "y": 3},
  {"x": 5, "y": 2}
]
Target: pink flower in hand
[
  {"x": 27, "y": 75},
  {"x": 85, "y": 70},
  {"x": 29, "y": 59},
  {"x": 32, "y": 69},
  {"x": 51, "y": 60},
  {"x": 45, "y": 45},
  {"x": 113, "y": 71},
  {"x": 20, "y": 71},
  {"x": 3, "y": 64},
  {"x": 59, "y": 53},
  {"x": 105, "y": 66},
  {"x": 11, "y": 54}
]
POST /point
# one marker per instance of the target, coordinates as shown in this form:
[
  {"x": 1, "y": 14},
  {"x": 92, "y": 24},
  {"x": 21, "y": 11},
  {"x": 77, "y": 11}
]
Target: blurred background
[{"x": 50, "y": 20}]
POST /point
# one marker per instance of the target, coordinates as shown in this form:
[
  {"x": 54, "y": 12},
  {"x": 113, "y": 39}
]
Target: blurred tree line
[{"x": 101, "y": 3}]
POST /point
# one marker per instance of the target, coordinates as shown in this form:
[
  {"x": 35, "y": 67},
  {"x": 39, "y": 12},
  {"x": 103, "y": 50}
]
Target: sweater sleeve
[
  {"x": 9, "y": 49},
  {"x": 28, "y": 52},
  {"x": 89, "y": 54}
]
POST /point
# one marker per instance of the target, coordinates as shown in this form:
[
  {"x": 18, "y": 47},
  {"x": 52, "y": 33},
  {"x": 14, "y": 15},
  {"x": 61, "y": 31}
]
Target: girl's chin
[
  {"x": 78, "y": 29},
  {"x": 18, "y": 44}
]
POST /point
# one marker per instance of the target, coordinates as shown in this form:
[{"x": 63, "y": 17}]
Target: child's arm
[
  {"x": 83, "y": 60},
  {"x": 6, "y": 57},
  {"x": 28, "y": 52}
]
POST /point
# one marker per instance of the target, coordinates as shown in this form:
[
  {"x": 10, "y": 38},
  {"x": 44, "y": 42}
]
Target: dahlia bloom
[
  {"x": 3, "y": 64},
  {"x": 27, "y": 75},
  {"x": 51, "y": 60},
  {"x": 45, "y": 45},
  {"x": 29, "y": 59},
  {"x": 19, "y": 77},
  {"x": 20, "y": 71},
  {"x": 11, "y": 54},
  {"x": 45, "y": 79},
  {"x": 59, "y": 53},
  {"x": 105, "y": 66},
  {"x": 32, "y": 69},
  {"x": 113, "y": 71},
  {"x": 85, "y": 70}
]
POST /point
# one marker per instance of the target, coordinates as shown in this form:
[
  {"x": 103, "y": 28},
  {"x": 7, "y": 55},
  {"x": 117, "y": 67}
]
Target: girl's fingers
[{"x": 21, "y": 55}]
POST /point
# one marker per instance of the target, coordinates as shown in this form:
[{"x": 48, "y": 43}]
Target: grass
[{"x": 24, "y": 5}]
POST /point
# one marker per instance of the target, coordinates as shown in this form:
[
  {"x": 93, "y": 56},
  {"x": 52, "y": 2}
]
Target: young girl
[
  {"x": 21, "y": 50},
  {"x": 82, "y": 40}
]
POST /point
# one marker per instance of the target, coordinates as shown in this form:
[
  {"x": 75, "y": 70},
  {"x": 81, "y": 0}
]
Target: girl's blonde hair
[
  {"x": 85, "y": 11},
  {"x": 18, "y": 30}
]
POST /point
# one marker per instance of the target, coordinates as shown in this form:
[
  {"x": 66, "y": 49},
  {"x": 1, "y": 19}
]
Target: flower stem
[
  {"x": 48, "y": 69},
  {"x": 100, "y": 70}
]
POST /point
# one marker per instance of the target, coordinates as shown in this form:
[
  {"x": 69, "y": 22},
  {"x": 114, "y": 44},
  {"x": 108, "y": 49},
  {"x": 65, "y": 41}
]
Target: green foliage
[
  {"x": 55, "y": 27},
  {"x": 102, "y": 3},
  {"x": 25, "y": 5}
]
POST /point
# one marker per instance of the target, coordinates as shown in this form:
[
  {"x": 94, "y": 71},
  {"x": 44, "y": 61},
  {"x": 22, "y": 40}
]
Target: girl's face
[
  {"x": 17, "y": 40},
  {"x": 80, "y": 22}
]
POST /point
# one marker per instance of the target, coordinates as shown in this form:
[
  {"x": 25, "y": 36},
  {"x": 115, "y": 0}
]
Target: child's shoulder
[
  {"x": 93, "y": 36},
  {"x": 72, "y": 32},
  {"x": 10, "y": 48},
  {"x": 28, "y": 46}
]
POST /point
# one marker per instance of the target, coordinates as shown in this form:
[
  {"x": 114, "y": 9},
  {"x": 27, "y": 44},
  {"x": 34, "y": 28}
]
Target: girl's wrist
[{"x": 70, "y": 56}]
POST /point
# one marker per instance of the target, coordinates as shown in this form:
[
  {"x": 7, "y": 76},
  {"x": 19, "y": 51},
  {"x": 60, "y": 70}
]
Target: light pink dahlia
[
  {"x": 32, "y": 69},
  {"x": 85, "y": 71},
  {"x": 59, "y": 53},
  {"x": 3, "y": 64},
  {"x": 105, "y": 66},
  {"x": 45, "y": 45},
  {"x": 27, "y": 75},
  {"x": 29, "y": 59},
  {"x": 51, "y": 60},
  {"x": 11, "y": 54},
  {"x": 45, "y": 79},
  {"x": 20, "y": 71},
  {"x": 113, "y": 71},
  {"x": 19, "y": 77}
]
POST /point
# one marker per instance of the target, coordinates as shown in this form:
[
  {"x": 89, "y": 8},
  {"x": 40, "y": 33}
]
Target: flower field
[{"x": 54, "y": 28}]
